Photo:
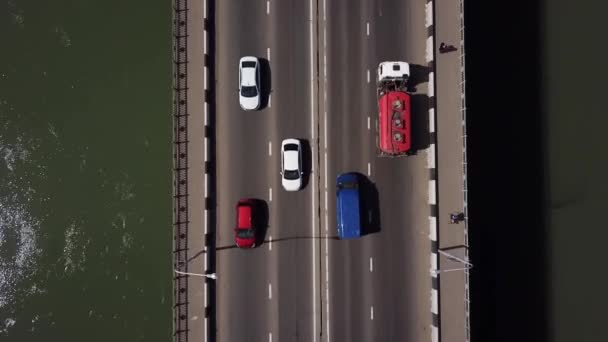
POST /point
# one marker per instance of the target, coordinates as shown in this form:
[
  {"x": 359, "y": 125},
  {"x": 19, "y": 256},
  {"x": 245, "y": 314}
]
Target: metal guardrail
[
  {"x": 180, "y": 170},
  {"x": 463, "y": 109}
]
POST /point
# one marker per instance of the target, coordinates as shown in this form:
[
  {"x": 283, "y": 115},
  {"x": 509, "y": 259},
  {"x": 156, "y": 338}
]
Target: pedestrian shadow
[{"x": 421, "y": 138}]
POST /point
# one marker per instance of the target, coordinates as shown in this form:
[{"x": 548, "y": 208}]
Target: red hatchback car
[{"x": 245, "y": 232}]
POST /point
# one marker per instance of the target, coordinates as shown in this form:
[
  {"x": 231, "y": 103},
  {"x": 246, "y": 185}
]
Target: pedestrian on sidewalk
[
  {"x": 456, "y": 217},
  {"x": 443, "y": 48}
]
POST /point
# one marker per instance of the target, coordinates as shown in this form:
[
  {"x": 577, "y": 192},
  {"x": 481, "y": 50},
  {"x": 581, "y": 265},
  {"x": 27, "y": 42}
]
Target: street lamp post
[
  {"x": 210, "y": 276},
  {"x": 466, "y": 263}
]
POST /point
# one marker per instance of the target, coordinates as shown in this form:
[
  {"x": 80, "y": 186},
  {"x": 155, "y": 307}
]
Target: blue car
[{"x": 347, "y": 206}]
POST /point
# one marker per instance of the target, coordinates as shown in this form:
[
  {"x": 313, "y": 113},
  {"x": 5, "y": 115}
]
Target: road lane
[
  {"x": 248, "y": 166},
  {"x": 398, "y": 288}
]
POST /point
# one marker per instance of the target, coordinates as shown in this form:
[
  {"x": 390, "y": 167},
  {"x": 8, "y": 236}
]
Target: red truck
[{"x": 394, "y": 105}]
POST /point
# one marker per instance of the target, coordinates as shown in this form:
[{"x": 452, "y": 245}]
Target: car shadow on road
[
  {"x": 306, "y": 162},
  {"x": 265, "y": 82},
  {"x": 418, "y": 74},
  {"x": 369, "y": 201},
  {"x": 261, "y": 212},
  {"x": 421, "y": 137}
]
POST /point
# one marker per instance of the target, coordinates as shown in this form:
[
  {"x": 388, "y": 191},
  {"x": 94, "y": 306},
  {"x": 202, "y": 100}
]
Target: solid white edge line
[
  {"x": 314, "y": 190},
  {"x": 371, "y": 264}
]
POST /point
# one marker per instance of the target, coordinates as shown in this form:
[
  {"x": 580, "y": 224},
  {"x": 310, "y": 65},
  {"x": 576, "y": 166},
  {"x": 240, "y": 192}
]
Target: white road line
[
  {"x": 367, "y": 28},
  {"x": 270, "y": 194},
  {"x": 324, "y": 16},
  {"x": 371, "y": 313},
  {"x": 371, "y": 264},
  {"x": 314, "y": 190},
  {"x": 269, "y": 337},
  {"x": 325, "y": 131},
  {"x": 267, "y": 7},
  {"x": 369, "y": 169},
  {"x": 268, "y": 53},
  {"x": 269, "y": 242},
  {"x": 325, "y": 167},
  {"x": 269, "y": 100},
  {"x": 326, "y": 200},
  {"x": 270, "y": 148},
  {"x": 368, "y": 76},
  {"x": 368, "y": 123},
  {"x": 269, "y": 291}
]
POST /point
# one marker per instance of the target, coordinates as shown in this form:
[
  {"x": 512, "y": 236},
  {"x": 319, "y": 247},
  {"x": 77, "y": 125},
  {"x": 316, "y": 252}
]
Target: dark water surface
[
  {"x": 538, "y": 164},
  {"x": 85, "y": 183}
]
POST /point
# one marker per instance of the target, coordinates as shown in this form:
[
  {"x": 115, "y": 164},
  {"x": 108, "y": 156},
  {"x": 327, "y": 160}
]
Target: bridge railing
[{"x": 180, "y": 170}]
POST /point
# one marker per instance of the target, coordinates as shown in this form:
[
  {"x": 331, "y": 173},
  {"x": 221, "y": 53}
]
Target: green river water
[{"x": 85, "y": 170}]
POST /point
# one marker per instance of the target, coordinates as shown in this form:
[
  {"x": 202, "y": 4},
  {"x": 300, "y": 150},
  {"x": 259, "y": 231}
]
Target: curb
[{"x": 431, "y": 165}]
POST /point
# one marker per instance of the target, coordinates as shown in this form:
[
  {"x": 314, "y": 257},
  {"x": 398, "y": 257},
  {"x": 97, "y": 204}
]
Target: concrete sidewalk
[{"x": 450, "y": 115}]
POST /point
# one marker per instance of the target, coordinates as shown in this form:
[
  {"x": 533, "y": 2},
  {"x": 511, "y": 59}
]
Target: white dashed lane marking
[
  {"x": 268, "y": 54},
  {"x": 371, "y": 313},
  {"x": 371, "y": 264},
  {"x": 367, "y": 76},
  {"x": 369, "y": 169},
  {"x": 269, "y": 291},
  {"x": 270, "y": 194},
  {"x": 269, "y": 242},
  {"x": 270, "y": 148},
  {"x": 367, "y": 28},
  {"x": 267, "y": 7}
]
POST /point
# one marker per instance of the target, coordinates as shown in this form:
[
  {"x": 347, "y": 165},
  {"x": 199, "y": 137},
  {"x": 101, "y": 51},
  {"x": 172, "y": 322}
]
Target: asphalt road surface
[{"x": 302, "y": 284}]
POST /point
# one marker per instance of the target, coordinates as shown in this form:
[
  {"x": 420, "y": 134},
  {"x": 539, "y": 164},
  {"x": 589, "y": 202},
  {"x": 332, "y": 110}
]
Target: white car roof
[
  {"x": 248, "y": 75},
  {"x": 393, "y": 70},
  {"x": 291, "y": 160}
]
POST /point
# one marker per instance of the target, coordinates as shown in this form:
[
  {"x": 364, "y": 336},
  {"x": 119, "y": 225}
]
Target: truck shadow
[
  {"x": 421, "y": 138},
  {"x": 418, "y": 74},
  {"x": 265, "y": 82}
]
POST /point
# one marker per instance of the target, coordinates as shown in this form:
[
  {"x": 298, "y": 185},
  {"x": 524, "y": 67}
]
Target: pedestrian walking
[{"x": 456, "y": 217}]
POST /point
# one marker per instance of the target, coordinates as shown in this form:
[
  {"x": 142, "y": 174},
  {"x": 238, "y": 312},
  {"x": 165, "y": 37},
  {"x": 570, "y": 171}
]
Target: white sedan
[
  {"x": 291, "y": 164},
  {"x": 249, "y": 83}
]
